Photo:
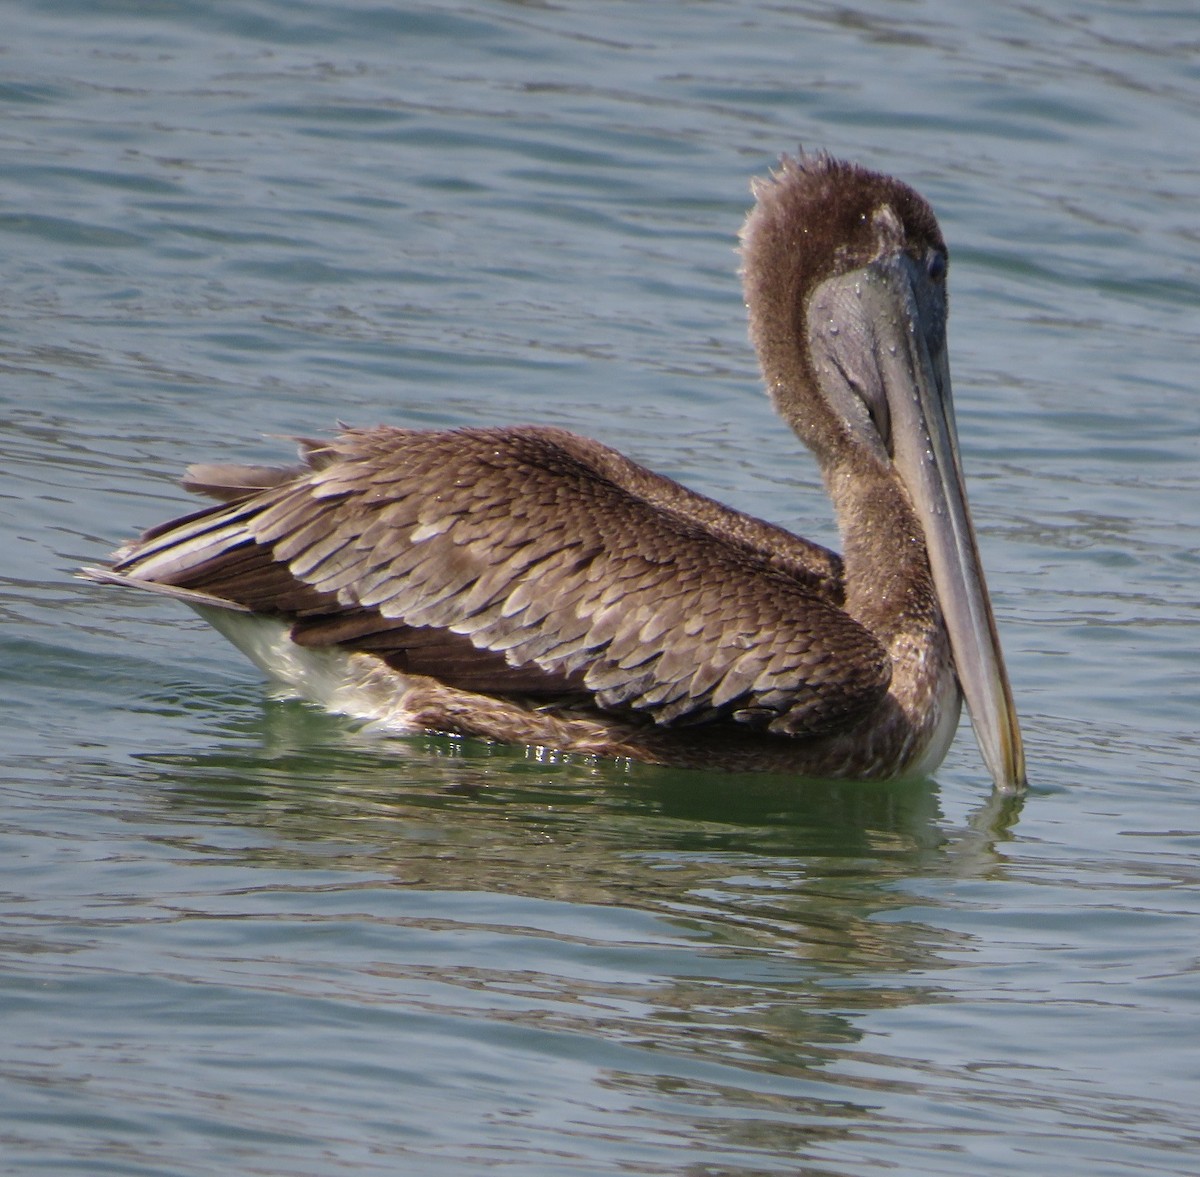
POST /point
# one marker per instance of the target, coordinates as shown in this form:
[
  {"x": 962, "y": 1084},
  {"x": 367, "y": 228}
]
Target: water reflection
[{"x": 708, "y": 943}]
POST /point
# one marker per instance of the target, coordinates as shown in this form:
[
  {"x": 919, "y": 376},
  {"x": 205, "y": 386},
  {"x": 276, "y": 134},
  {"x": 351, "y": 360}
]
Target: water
[{"x": 239, "y": 937}]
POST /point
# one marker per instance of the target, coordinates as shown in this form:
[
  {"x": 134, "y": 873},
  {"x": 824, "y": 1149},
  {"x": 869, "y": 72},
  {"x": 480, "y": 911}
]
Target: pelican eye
[{"x": 935, "y": 265}]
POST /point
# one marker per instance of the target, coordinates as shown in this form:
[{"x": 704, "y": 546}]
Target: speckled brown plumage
[{"x": 512, "y": 561}]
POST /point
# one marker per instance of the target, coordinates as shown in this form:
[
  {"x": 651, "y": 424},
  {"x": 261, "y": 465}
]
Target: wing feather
[{"x": 541, "y": 559}]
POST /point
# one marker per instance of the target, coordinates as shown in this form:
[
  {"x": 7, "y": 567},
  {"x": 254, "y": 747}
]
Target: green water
[{"x": 237, "y": 936}]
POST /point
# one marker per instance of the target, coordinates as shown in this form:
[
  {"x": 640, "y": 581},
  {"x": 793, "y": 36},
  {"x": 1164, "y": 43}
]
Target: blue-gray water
[{"x": 238, "y": 937}]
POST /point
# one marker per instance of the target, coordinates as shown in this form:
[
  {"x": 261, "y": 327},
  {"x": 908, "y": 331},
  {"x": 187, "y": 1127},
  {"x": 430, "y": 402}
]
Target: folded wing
[{"x": 529, "y": 562}]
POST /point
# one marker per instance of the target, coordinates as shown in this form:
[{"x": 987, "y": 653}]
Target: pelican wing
[{"x": 530, "y": 561}]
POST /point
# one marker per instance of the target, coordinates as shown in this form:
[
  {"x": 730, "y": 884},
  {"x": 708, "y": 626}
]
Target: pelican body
[{"x": 528, "y": 585}]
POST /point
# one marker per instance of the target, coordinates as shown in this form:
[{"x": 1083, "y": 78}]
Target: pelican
[{"x": 528, "y": 585}]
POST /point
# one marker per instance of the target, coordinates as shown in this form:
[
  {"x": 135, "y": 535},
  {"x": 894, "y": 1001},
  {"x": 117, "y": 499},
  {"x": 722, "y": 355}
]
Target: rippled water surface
[{"x": 239, "y": 937}]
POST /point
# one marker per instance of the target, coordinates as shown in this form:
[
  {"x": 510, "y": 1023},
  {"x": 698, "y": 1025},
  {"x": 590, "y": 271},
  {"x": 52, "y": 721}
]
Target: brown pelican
[{"x": 527, "y": 585}]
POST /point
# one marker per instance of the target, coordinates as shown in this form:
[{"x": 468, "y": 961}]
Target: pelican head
[{"x": 844, "y": 274}]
